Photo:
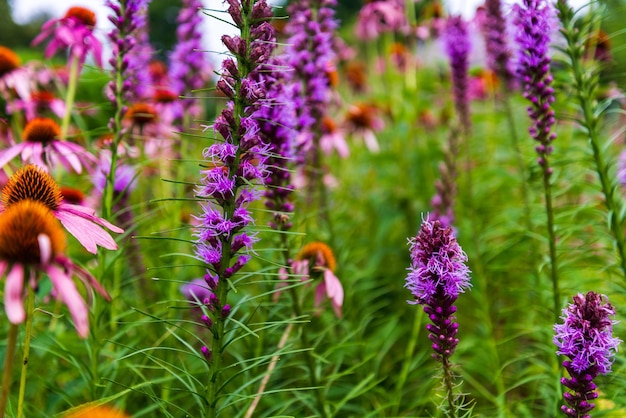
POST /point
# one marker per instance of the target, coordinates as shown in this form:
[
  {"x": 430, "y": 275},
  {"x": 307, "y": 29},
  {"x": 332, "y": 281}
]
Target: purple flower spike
[
  {"x": 458, "y": 47},
  {"x": 586, "y": 338},
  {"x": 498, "y": 53},
  {"x": 534, "y": 24},
  {"x": 437, "y": 276}
]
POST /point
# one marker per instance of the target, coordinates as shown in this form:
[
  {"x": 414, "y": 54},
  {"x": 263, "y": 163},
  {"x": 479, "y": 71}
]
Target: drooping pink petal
[
  {"x": 45, "y": 248},
  {"x": 86, "y": 232},
  {"x": 87, "y": 278},
  {"x": 8, "y": 154},
  {"x": 66, "y": 290},
  {"x": 13, "y": 294},
  {"x": 90, "y": 214},
  {"x": 320, "y": 293},
  {"x": 334, "y": 290}
]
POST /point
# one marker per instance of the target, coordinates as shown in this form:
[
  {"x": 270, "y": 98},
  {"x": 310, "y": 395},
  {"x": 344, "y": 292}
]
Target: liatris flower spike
[
  {"x": 458, "y": 47},
  {"x": 586, "y": 338},
  {"x": 31, "y": 242},
  {"x": 437, "y": 276},
  {"x": 34, "y": 183}
]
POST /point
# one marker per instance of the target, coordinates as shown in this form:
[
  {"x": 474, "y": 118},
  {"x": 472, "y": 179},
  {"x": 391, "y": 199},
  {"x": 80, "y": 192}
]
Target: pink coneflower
[
  {"x": 363, "y": 120},
  {"x": 41, "y": 145},
  {"x": 32, "y": 242},
  {"x": 333, "y": 138},
  {"x": 34, "y": 183},
  {"x": 73, "y": 31},
  {"x": 317, "y": 261},
  {"x": 9, "y": 61}
]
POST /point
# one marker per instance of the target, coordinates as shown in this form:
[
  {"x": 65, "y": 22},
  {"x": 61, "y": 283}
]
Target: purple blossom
[
  {"x": 437, "y": 276},
  {"x": 458, "y": 47},
  {"x": 129, "y": 19},
  {"x": 188, "y": 64},
  {"x": 238, "y": 163},
  {"x": 494, "y": 29},
  {"x": 586, "y": 338},
  {"x": 277, "y": 120},
  {"x": 310, "y": 52},
  {"x": 534, "y": 19}
]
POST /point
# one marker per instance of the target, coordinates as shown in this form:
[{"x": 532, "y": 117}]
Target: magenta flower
[
  {"x": 34, "y": 183},
  {"x": 586, "y": 338},
  {"x": 458, "y": 47},
  {"x": 73, "y": 31},
  {"x": 438, "y": 274},
  {"x": 32, "y": 242},
  {"x": 383, "y": 16},
  {"x": 41, "y": 145}
]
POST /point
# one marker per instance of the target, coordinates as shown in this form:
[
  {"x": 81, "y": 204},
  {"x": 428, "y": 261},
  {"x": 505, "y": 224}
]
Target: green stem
[
  {"x": 70, "y": 96},
  {"x": 30, "y": 312},
  {"x": 7, "y": 371},
  {"x": 448, "y": 379},
  {"x": 554, "y": 275}
]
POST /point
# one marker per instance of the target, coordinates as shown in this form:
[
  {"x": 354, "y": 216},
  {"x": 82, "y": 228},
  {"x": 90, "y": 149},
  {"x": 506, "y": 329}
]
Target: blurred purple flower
[
  {"x": 494, "y": 28},
  {"x": 534, "y": 20},
  {"x": 458, "y": 47}
]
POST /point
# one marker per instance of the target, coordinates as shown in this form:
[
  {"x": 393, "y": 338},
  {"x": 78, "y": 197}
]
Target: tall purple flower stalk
[
  {"x": 494, "y": 29},
  {"x": 277, "y": 120},
  {"x": 310, "y": 52},
  {"x": 233, "y": 165},
  {"x": 586, "y": 338},
  {"x": 128, "y": 17},
  {"x": 188, "y": 67},
  {"x": 446, "y": 187},
  {"x": 437, "y": 275},
  {"x": 458, "y": 47},
  {"x": 534, "y": 19}
]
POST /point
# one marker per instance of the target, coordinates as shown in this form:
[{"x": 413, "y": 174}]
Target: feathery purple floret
[
  {"x": 458, "y": 47},
  {"x": 534, "y": 24},
  {"x": 188, "y": 63},
  {"x": 310, "y": 52},
  {"x": 383, "y": 16},
  {"x": 586, "y": 338},
  {"x": 237, "y": 163},
  {"x": 494, "y": 29},
  {"x": 437, "y": 276}
]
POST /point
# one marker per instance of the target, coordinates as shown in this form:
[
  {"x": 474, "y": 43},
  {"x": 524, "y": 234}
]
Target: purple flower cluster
[
  {"x": 498, "y": 53},
  {"x": 310, "y": 53},
  {"x": 128, "y": 18},
  {"x": 586, "y": 338},
  {"x": 437, "y": 276},
  {"x": 458, "y": 47},
  {"x": 188, "y": 64},
  {"x": 236, "y": 164},
  {"x": 277, "y": 118},
  {"x": 383, "y": 16},
  {"x": 533, "y": 19}
]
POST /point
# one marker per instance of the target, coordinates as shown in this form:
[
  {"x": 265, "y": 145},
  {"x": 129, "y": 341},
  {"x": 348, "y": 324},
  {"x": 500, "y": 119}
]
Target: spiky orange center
[
  {"x": 141, "y": 113},
  {"x": 328, "y": 125},
  {"x": 32, "y": 183},
  {"x": 361, "y": 115},
  {"x": 164, "y": 96},
  {"x": 44, "y": 130},
  {"x": 9, "y": 60},
  {"x": 83, "y": 14},
  {"x": 313, "y": 250},
  {"x": 20, "y": 227},
  {"x": 71, "y": 195}
]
